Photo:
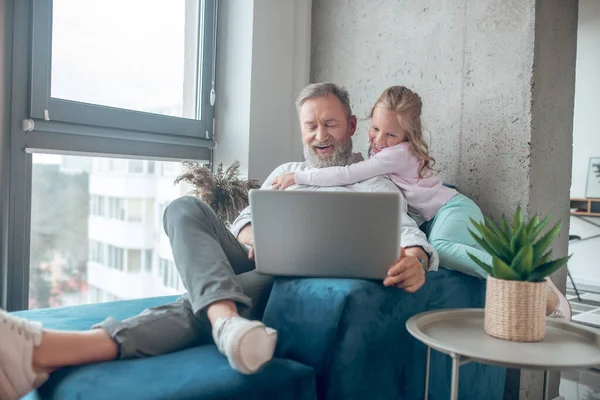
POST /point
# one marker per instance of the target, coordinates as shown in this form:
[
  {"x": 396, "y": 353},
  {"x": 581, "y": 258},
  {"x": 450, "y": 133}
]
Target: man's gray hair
[{"x": 322, "y": 90}]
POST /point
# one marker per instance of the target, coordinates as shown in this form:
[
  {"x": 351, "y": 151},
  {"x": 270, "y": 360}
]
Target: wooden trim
[{"x": 587, "y": 203}]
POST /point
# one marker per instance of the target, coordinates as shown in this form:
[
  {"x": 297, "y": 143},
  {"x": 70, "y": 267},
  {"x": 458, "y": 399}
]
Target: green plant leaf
[
  {"x": 523, "y": 261},
  {"x": 501, "y": 250},
  {"x": 538, "y": 229},
  {"x": 531, "y": 226},
  {"x": 518, "y": 240},
  {"x": 476, "y": 225},
  {"x": 543, "y": 259},
  {"x": 503, "y": 271},
  {"x": 506, "y": 228},
  {"x": 541, "y": 245},
  {"x": 498, "y": 232},
  {"x": 547, "y": 269},
  {"x": 486, "y": 267},
  {"x": 523, "y": 238},
  {"x": 518, "y": 221},
  {"x": 484, "y": 245}
]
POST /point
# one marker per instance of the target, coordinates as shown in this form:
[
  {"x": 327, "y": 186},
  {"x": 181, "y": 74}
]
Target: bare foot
[
  {"x": 557, "y": 305},
  {"x": 552, "y": 302}
]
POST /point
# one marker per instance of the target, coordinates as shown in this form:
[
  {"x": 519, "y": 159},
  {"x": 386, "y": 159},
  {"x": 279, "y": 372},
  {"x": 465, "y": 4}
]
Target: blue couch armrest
[{"x": 353, "y": 333}]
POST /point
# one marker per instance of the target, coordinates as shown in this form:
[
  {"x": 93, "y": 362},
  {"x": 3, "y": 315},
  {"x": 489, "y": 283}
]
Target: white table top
[{"x": 460, "y": 331}]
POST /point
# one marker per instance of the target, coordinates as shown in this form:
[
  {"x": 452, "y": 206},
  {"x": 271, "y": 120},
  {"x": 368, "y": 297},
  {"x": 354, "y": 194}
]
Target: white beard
[{"x": 339, "y": 158}]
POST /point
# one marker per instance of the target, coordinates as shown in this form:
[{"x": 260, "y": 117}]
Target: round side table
[{"x": 459, "y": 333}]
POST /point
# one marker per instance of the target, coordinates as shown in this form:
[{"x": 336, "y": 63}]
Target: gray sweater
[{"x": 411, "y": 235}]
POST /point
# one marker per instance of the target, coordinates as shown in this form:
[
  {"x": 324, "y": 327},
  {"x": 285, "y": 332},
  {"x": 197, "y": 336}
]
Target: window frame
[
  {"x": 47, "y": 108},
  {"x": 21, "y": 135}
]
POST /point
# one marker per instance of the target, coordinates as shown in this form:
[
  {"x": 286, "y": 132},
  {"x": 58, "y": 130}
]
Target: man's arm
[
  {"x": 415, "y": 241},
  {"x": 245, "y": 219},
  {"x": 417, "y": 256},
  {"x": 411, "y": 237}
]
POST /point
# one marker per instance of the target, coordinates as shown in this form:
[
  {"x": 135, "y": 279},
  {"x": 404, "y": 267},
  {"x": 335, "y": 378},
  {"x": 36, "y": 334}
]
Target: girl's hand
[{"x": 284, "y": 181}]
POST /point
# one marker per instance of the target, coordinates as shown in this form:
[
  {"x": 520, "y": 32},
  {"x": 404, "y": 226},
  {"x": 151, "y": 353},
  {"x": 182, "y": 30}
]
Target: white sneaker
[
  {"x": 18, "y": 337},
  {"x": 248, "y": 345},
  {"x": 563, "y": 307}
]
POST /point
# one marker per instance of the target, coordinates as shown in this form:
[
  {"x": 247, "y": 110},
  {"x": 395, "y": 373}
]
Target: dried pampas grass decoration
[{"x": 224, "y": 191}]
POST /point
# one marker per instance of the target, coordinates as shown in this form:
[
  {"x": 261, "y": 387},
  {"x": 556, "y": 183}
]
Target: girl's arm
[{"x": 390, "y": 160}]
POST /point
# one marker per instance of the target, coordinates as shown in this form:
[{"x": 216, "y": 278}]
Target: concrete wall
[
  {"x": 368, "y": 45},
  {"x": 496, "y": 78},
  {"x": 586, "y": 122},
  {"x": 471, "y": 62},
  {"x": 553, "y": 93}
]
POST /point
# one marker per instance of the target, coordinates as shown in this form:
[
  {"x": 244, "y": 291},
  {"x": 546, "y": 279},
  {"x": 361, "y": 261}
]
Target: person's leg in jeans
[
  {"x": 208, "y": 258},
  {"x": 28, "y": 353}
]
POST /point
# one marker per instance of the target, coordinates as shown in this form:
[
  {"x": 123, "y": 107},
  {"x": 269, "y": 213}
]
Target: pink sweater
[{"x": 424, "y": 196}]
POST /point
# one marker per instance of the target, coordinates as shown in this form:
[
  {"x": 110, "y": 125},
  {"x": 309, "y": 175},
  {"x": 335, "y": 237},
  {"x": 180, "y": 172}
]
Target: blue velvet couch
[{"x": 338, "y": 339}]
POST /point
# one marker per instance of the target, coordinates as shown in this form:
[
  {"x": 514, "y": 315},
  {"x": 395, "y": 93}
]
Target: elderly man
[{"x": 217, "y": 268}]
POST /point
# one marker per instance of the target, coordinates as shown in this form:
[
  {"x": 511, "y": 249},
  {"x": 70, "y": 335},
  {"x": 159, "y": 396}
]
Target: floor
[
  {"x": 580, "y": 385},
  {"x": 584, "y": 267},
  {"x": 586, "y": 307}
]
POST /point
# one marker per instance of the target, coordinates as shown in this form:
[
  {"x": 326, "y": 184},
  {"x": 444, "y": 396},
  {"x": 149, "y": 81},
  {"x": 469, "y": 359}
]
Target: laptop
[{"x": 325, "y": 234}]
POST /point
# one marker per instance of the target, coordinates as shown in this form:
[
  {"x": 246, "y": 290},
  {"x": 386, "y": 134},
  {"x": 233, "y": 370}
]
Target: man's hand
[
  {"x": 407, "y": 273},
  {"x": 247, "y": 237},
  {"x": 284, "y": 181}
]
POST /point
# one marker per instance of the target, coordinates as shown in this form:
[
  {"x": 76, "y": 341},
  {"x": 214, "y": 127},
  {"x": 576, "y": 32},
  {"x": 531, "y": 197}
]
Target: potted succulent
[{"x": 515, "y": 303}]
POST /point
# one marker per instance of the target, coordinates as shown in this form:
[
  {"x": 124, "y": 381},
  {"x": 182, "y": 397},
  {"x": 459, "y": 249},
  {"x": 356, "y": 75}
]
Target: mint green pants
[{"x": 448, "y": 233}]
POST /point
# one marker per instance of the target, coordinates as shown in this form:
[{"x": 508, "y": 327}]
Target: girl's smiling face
[{"x": 385, "y": 130}]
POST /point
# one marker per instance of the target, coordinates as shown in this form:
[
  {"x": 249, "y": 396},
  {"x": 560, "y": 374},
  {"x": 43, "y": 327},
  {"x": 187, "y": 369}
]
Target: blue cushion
[
  {"x": 196, "y": 373},
  {"x": 353, "y": 333}
]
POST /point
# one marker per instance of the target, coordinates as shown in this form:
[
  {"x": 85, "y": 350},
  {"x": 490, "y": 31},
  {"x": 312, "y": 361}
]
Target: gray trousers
[{"x": 213, "y": 266}]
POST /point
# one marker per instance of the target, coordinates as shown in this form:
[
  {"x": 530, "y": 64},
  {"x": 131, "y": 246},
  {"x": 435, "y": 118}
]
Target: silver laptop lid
[{"x": 325, "y": 234}]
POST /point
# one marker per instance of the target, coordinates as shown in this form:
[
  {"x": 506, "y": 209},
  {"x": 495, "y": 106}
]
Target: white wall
[
  {"x": 583, "y": 265},
  {"x": 586, "y": 138},
  {"x": 586, "y": 121},
  {"x": 263, "y": 61},
  {"x": 234, "y": 67}
]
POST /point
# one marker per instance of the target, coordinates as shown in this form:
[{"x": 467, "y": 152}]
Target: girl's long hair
[{"x": 409, "y": 106}]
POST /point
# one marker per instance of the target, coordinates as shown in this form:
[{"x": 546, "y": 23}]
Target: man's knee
[{"x": 184, "y": 207}]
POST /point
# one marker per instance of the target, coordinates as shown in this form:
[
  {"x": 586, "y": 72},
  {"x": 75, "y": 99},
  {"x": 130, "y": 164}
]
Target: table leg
[
  {"x": 546, "y": 391},
  {"x": 455, "y": 370},
  {"x": 427, "y": 365}
]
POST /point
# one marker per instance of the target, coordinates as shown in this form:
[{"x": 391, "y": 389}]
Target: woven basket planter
[{"x": 515, "y": 310}]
